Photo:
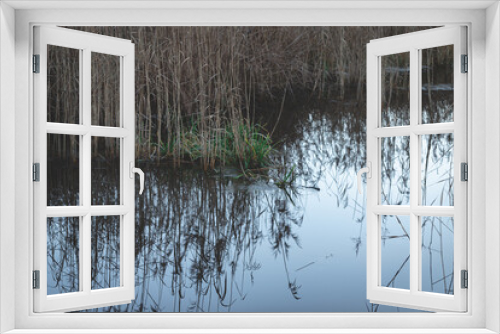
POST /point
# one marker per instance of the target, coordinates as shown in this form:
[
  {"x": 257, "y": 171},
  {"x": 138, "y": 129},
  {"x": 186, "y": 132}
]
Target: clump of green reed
[
  {"x": 247, "y": 146},
  {"x": 242, "y": 146}
]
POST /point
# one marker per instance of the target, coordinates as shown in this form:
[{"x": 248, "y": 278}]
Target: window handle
[
  {"x": 134, "y": 170},
  {"x": 368, "y": 171}
]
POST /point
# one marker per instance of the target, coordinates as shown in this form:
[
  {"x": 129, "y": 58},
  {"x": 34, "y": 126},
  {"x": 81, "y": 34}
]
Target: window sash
[
  {"x": 413, "y": 43},
  {"x": 86, "y": 297}
]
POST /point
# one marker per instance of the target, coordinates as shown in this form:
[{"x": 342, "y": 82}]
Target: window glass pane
[
  {"x": 395, "y": 252},
  {"x": 395, "y": 170},
  {"x": 437, "y": 254},
  {"x": 63, "y": 85},
  {"x": 395, "y": 89},
  {"x": 63, "y": 170},
  {"x": 63, "y": 255},
  {"x": 437, "y": 169},
  {"x": 105, "y": 252},
  {"x": 105, "y": 171},
  {"x": 105, "y": 89},
  {"x": 437, "y": 84}
]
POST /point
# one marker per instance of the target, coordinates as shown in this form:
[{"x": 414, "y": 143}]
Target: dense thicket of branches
[{"x": 198, "y": 86}]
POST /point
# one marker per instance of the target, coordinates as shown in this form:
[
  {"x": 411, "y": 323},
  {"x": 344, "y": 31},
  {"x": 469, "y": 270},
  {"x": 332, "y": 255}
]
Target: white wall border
[
  {"x": 7, "y": 166},
  {"x": 308, "y": 322},
  {"x": 249, "y": 4},
  {"x": 257, "y": 331},
  {"x": 492, "y": 163}
]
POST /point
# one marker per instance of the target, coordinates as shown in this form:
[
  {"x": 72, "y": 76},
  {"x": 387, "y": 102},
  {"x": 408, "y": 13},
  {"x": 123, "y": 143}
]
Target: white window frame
[
  {"x": 413, "y": 43},
  {"x": 484, "y": 103},
  {"x": 86, "y": 44}
]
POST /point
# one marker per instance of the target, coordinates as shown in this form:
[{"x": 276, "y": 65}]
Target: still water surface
[{"x": 219, "y": 243}]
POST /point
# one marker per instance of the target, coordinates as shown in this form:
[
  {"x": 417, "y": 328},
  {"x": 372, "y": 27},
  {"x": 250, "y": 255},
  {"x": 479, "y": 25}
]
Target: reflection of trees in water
[
  {"x": 62, "y": 255},
  {"x": 105, "y": 244},
  {"x": 437, "y": 252},
  {"x": 437, "y": 169},
  {"x": 282, "y": 236},
  {"x": 325, "y": 142},
  {"x": 197, "y": 236},
  {"x": 395, "y": 170},
  {"x": 436, "y": 189}
]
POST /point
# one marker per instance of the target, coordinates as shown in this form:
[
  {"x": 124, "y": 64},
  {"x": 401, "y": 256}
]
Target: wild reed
[{"x": 203, "y": 85}]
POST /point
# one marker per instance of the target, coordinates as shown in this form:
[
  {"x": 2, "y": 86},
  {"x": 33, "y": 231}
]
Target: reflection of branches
[
  {"x": 437, "y": 174},
  {"x": 62, "y": 255},
  {"x": 105, "y": 252},
  {"x": 325, "y": 143},
  {"x": 197, "y": 236},
  {"x": 395, "y": 164},
  {"x": 439, "y": 253},
  {"x": 280, "y": 232},
  {"x": 398, "y": 271}
]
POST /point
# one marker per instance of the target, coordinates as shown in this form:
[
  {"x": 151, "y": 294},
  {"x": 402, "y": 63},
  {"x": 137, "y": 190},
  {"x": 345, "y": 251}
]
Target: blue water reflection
[
  {"x": 220, "y": 243},
  {"x": 217, "y": 243}
]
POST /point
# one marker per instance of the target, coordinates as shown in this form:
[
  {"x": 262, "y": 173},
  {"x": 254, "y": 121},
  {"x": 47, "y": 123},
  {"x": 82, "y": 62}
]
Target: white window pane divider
[
  {"x": 418, "y": 129},
  {"x": 81, "y": 130},
  {"x": 415, "y": 266},
  {"x": 93, "y": 210},
  {"x": 406, "y": 210}
]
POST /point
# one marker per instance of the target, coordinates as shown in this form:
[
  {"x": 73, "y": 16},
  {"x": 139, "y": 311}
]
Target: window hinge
[
  {"x": 36, "y": 63},
  {"x": 464, "y": 171},
  {"x": 36, "y": 279},
  {"x": 36, "y": 172},
  {"x": 465, "y": 64},
  {"x": 465, "y": 279}
]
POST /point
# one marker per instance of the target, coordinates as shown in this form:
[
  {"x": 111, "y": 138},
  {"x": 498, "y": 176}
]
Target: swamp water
[{"x": 220, "y": 243}]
